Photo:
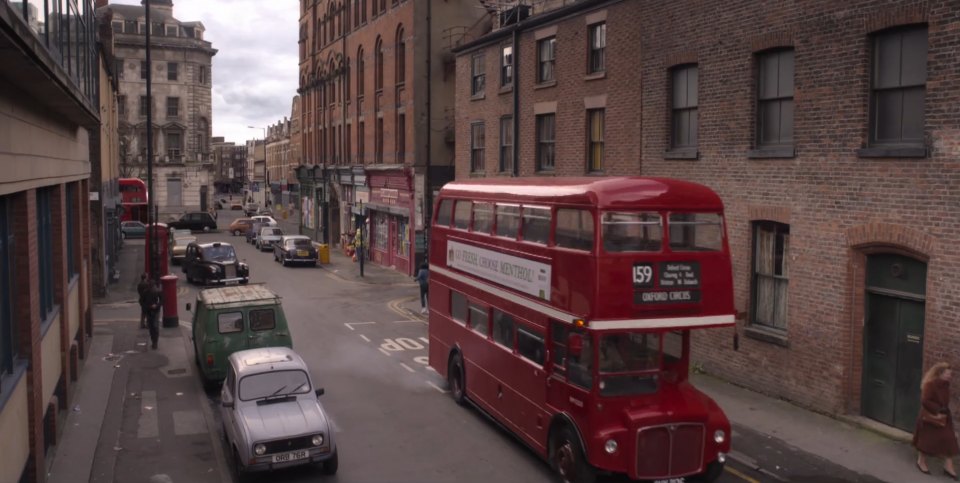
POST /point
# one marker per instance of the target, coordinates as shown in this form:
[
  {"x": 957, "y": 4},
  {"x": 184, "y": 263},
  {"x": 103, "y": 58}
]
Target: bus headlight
[
  {"x": 719, "y": 436},
  {"x": 259, "y": 449},
  {"x": 610, "y": 446}
]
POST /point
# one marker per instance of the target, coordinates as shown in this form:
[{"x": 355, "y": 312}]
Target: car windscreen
[
  {"x": 275, "y": 383},
  {"x": 221, "y": 253}
]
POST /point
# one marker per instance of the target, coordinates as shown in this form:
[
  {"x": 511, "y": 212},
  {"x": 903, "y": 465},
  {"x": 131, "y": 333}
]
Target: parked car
[
  {"x": 295, "y": 249},
  {"x": 265, "y": 391},
  {"x": 220, "y": 203},
  {"x": 236, "y": 205},
  {"x": 265, "y": 212},
  {"x": 240, "y": 226},
  {"x": 251, "y": 234},
  {"x": 267, "y": 220},
  {"x": 194, "y": 221},
  {"x": 179, "y": 248},
  {"x": 231, "y": 319},
  {"x": 216, "y": 262},
  {"x": 267, "y": 237},
  {"x": 174, "y": 234},
  {"x": 132, "y": 229},
  {"x": 251, "y": 209}
]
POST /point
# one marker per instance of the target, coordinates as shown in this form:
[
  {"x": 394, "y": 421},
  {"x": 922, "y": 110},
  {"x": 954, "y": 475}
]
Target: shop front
[{"x": 388, "y": 212}]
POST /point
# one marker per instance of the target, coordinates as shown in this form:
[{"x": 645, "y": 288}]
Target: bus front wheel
[
  {"x": 569, "y": 459},
  {"x": 712, "y": 473},
  {"x": 456, "y": 379}
]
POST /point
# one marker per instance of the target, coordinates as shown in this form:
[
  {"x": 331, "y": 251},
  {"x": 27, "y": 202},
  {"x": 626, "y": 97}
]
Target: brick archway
[{"x": 862, "y": 241}]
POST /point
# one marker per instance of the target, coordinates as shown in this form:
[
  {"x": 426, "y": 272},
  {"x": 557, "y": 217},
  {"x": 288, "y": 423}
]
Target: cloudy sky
[{"x": 255, "y": 69}]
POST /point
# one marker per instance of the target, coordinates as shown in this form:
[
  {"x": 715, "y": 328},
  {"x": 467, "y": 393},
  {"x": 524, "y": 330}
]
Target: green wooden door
[{"x": 893, "y": 340}]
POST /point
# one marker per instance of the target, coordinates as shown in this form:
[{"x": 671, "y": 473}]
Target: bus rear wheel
[
  {"x": 456, "y": 379},
  {"x": 569, "y": 459}
]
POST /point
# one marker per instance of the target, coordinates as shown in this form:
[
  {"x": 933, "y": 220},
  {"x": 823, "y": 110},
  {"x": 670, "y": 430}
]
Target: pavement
[{"x": 161, "y": 426}]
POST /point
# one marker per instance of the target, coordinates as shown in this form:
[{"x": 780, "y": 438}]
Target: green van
[{"x": 235, "y": 318}]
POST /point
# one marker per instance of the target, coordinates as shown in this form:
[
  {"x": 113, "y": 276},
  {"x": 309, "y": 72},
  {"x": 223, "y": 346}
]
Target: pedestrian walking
[
  {"x": 141, "y": 288},
  {"x": 151, "y": 301},
  {"x": 934, "y": 434},
  {"x": 423, "y": 278}
]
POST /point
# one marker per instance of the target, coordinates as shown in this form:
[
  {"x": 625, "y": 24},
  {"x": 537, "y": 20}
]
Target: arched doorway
[{"x": 895, "y": 290}]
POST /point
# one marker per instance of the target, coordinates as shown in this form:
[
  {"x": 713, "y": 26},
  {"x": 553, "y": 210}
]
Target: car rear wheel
[
  {"x": 236, "y": 232},
  {"x": 206, "y": 229}
]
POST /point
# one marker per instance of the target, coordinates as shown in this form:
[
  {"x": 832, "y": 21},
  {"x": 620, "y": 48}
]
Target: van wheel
[
  {"x": 568, "y": 459},
  {"x": 206, "y": 229},
  {"x": 456, "y": 379},
  {"x": 236, "y": 232}
]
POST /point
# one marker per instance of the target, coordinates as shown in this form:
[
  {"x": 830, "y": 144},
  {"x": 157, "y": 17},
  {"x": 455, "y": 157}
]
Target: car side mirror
[
  {"x": 319, "y": 391},
  {"x": 188, "y": 306},
  {"x": 574, "y": 345}
]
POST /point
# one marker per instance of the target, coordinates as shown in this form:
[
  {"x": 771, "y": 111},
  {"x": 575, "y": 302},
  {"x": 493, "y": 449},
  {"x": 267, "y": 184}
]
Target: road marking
[
  {"x": 384, "y": 351},
  {"x": 443, "y": 391},
  {"x": 421, "y": 360},
  {"x": 148, "y": 425},
  {"x": 740, "y": 475},
  {"x": 407, "y": 367},
  {"x": 364, "y": 337},
  {"x": 351, "y": 324},
  {"x": 406, "y": 321}
]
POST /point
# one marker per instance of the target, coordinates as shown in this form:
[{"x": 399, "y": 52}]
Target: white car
[
  {"x": 272, "y": 417},
  {"x": 266, "y": 220},
  {"x": 267, "y": 237}
]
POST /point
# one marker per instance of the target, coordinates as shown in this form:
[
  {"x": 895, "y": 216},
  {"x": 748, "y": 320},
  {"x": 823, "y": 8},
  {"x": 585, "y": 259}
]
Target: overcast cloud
[{"x": 255, "y": 69}]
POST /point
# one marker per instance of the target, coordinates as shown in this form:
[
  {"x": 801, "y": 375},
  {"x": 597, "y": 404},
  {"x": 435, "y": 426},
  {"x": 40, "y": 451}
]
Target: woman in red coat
[{"x": 934, "y": 435}]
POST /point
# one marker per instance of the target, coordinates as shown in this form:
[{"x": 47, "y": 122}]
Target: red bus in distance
[
  {"x": 133, "y": 199},
  {"x": 562, "y": 308}
]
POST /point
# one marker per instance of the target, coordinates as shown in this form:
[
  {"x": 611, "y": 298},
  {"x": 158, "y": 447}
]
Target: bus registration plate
[
  {"x": 292, "y": 456},
  {"x": 671, "y": 480}
]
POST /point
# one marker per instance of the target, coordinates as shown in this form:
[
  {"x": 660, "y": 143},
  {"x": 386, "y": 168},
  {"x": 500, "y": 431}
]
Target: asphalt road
[{"x": 394, "y": 418}]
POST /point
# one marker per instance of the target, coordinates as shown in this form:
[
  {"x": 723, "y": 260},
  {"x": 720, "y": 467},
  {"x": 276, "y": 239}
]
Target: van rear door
[{"x": 268, "y": 328}]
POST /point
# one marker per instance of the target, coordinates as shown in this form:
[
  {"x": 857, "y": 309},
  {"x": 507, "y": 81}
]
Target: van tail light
[{"x": 209, "y": 359}]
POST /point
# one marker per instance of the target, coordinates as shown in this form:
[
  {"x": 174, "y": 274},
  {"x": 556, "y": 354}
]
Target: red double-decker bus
[
  {"x": 562, "y": 308},
  {"x": 133, "y": 199}
]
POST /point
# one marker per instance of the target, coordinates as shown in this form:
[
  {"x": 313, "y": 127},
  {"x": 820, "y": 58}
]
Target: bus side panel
[
  {"x": 574, "y": 275},
  {"x": 438, "y": 320}
]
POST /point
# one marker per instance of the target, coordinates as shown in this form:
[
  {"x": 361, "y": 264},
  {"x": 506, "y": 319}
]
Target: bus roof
[{"x": 605, "y": 192}]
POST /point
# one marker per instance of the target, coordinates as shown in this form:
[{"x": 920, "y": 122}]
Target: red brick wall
[
  {"x": 619, "y": 85},
  {"x": 826, "y": 192}
]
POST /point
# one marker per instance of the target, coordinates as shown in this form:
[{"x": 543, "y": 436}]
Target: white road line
[
  {"x": 407, "y": 367},
  {"x": 432, "y": 369},
  {"x": 385, "y": 352},
  {"x": 351, "y": 324},
  {"x": 438, "y": 388},
  {"x": 364, "y": 337}
]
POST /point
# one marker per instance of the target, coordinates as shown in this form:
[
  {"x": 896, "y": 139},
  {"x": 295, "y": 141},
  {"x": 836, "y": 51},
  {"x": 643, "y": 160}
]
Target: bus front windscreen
[{"x": 629, "y": 363}]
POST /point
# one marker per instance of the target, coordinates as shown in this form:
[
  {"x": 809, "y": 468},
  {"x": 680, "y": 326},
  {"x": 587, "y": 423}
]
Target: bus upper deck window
[
  {"x": 631, "y": 232},
  {"x": 574, "y": 229},
  {"x": 508, "y": 220},
  {"x": 443, "y": 212},
  {"x": 482, "y": 217},
  {"x": 461, "y": 215},
  {"x": 536, "y": 224},
  {"x": 695, "y": 232}
]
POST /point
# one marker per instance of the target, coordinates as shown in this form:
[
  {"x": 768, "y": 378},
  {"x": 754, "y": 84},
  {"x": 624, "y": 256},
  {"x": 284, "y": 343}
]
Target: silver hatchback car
[{"x": 271, "y": 414}]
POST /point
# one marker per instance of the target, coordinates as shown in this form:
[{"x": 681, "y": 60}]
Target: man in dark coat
[
  {"x": 151, "y": 301},
  {"x": 141, "y": 288}
]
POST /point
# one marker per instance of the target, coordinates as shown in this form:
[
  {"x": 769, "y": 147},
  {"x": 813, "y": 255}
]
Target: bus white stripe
[{"x": 709, "y": 320}]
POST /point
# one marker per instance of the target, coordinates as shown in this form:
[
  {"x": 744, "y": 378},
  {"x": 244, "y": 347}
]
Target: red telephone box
[{"x": 159, "y": 236}]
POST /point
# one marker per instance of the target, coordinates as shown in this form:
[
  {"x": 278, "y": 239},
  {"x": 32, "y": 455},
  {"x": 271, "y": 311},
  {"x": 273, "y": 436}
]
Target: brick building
[
  {"x": 278, "y": 161},
  {"x": 828, "y": 128},
  {"x": 49, "y": 132},
  {"x": 229, "y": 165},
  {"x": 376, "y": 116}
]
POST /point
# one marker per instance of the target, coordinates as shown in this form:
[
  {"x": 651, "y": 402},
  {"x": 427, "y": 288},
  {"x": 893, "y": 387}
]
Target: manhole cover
[{"x": 173, "y": 372}]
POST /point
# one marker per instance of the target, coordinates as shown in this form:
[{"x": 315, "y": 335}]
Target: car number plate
[
  {"x": 301, "y": 253},
  {"x": 232, "y": 282},
  {"x": 671, "y": 480},
  {"x": 292, "y": 456}
]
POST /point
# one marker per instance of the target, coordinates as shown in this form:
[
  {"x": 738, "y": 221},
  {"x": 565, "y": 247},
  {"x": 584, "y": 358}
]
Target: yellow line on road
[{"x": 739, "y": 474}]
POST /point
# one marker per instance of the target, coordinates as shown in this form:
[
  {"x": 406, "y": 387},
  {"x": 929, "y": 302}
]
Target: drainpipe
[
  {"x": 516, "y": 100},
  {"x": 428, "y": 187}
]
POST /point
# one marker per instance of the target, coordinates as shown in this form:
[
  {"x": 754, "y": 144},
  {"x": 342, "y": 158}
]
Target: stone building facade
[
  {"x": 829, "y": 130},
  {"x": 181, "y": 75},
  {"x": 49, "y": 130},
  {"x": 278, "y": 166},
  {"x": 376, "y": 115}
]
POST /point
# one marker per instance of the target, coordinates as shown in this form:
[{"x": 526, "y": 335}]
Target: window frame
[
  {"x": 780, "y": 233},
  {"x": 506, "y": 66},
  {"x": 691, "y": 109},
  {"x": 477, "y": 146},
  {"x": 596, "y": 55},
  {"x": 543, "y": 62},
  {"x": 764, "y": 97},
  {"x": 144, "y": 70},
  {"x": 173, "y": 71},
  {"x": 902, "y": 87},
  {"x": 496, "y": 321},
  {"x": 506, "y": 144},
  {"x": 455, "y": 307},
  {"x": 538, "y": 337},
  {"x": 173, "y": 107},
  {"x": 45, "y": 271},
  {"x": 546, "y": 148},
  {"x": 596, "y": 147},
  {"x": 561, "y": 242},
  {"x": 478, "y": 76},
  {"x": 9, "y": 329}
]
